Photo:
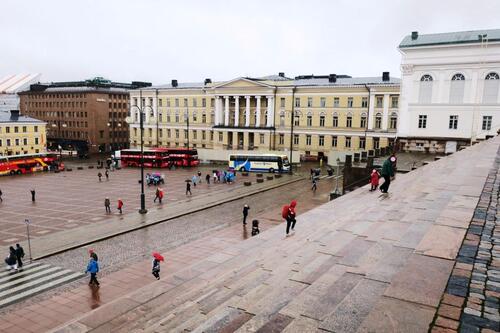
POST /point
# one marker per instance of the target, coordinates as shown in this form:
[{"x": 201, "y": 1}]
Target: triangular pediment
[{"x": 242, "y": 82}]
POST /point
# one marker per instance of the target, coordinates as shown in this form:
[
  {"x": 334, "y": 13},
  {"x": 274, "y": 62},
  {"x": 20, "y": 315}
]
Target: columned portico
[
  {"x": 385, "y": 114},
  {"x": 270, "y": 111}
]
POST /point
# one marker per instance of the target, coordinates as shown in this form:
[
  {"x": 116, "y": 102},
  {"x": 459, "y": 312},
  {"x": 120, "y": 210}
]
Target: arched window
[
  {"x": 322, "y": 119},
  {"x": 309, "y": 119},
  {"x": 393, "y": 120},
  {"x": 195, "y": 116},
  {"x": 378, "y": 121},
  {"x": 335, "y": 122},
  {"x": 491, "y": 84},
  {"x": 362, "y": 123},
  {"x": 204, "y": 117},
  {"x": 425, "y": 93},
  {"x": 457, "y": 86},
  {"x": 348, "y": 121}
]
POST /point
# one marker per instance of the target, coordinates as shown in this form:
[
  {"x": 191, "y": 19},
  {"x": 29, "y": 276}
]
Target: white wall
[{"x": 442, "y": 62}]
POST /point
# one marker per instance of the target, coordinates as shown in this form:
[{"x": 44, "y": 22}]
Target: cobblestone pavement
[
  {"x": 132, "y": 248},
  {"x": 471, "y": 300},
  {"x": 69, "y": 200}
]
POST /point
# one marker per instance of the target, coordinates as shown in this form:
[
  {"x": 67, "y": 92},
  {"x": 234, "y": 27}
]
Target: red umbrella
[{"x": 158, "y": 256}]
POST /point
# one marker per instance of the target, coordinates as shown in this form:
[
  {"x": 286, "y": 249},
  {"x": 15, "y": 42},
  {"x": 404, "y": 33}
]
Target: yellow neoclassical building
[
  {"x": 20, "y": 134},
  {"x": 331, "y": 112}
]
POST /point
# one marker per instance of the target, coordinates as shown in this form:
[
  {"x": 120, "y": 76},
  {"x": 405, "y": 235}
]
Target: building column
[
  {"x": 371, "y": 110},
  {"x": 226, "y": 111},
  {"x": 247, "y": 111},
  {"x": 270, "y": 111},
  {"x": 245, "y": 140},
  {"x": 155, "y": 109},
  {"x": 236, "y": 110},
  {"x": 385, "y": 114},
  {"x": 257, "y": 111},
  {"x": 217, "y": 110}
]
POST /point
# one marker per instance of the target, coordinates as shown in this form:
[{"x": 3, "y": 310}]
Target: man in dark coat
[
  {"x": 246, "y": 208},
  {"x": 33, "y": 193},
  {"x": 19, "y": 256},
  {"x": 387, "y": 173}
]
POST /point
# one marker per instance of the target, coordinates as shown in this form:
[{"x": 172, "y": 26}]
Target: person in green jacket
[{"x": 387, "y": 173}]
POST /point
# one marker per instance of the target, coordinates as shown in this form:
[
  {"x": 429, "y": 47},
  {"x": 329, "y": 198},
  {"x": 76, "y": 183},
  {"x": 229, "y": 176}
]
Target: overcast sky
[{"x": 189, "y": 40}]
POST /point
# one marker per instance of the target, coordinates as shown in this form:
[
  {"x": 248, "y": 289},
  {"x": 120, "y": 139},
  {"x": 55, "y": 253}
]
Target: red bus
[
  {"x": 153, "y": 158},
  {"x": 28, "y": 163},
  {"x": 183, "y": 156}
]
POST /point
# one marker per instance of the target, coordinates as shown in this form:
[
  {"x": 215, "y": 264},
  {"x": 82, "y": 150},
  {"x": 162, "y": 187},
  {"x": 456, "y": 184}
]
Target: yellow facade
[
  {"x": 21, "y": 135},
  {"x": 350, "y": 114}
]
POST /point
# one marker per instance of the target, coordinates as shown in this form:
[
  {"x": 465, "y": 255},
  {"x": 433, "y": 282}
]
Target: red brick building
[{"x": 87, "y": 116}]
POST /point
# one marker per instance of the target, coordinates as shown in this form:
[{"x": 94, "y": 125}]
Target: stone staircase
[{"x": 363, "y": 262}]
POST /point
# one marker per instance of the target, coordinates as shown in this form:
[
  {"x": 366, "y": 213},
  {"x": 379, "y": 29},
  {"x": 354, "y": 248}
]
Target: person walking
[
  {"x": 93, "y": 269},
  {"x": 194, "y": 179},
  {"x": 387, "y": 173},
  {"x": 255, "y": 227},
  {"x": 107, "y": 205},
  {"x": 215, "y": 177},
  {"x": 11, "y": 259},
  {"x": 160, "y": 194},
  {"x": 106, "y": 173},
  {"x": 33, "y": 194},
  {"x": 207, "y": 178},
  {"x": 374, "y": 180},
  {"x": 188, "y": 188},
  {"x": 157, "y": 194},
  {"x": 290, "y": 216},
  {"x": 156, "y": 268},
  {"x": 99, "y": 175},
  {"x": 19, "y": 256},
  {"x": 314, "y": 184},
  {"x": 120, "y": 206},
  {"x": 199, "y": 176},
  {"x": 246, "y": 208},
  {"x": 1, "y": 193}
]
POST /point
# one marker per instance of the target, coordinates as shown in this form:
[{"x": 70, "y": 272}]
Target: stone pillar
[
  {"x": 270, "y": 111},
  {"x": 236, "y": 110},
  {"x": 257, "y": 111},
  {"x": 245, "y": 140},
  {"x": 226, "y": 111},
  {"x": 247, "y": 112},
  {"x": 155, "y": 109},
  {"x": 385, "y": 115},
  {"x": 371, "y": 111},
  {"x": 217, "y": 111}
]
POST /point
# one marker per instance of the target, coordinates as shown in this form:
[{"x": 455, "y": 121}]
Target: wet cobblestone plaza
[{"x": 73, "y": 199}]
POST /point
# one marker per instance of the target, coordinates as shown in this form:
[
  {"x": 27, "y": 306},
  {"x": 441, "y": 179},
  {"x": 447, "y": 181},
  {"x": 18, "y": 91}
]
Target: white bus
[{"x": 262, "y": 162}]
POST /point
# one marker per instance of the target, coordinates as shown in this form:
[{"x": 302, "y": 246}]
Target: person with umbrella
[
  {"x": 156, "y": 265},
  {"x": 188, "y": 187}
]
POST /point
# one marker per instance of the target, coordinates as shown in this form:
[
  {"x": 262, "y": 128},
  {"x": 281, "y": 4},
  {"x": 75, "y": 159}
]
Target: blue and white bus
[{"x": 262, "y": 162}]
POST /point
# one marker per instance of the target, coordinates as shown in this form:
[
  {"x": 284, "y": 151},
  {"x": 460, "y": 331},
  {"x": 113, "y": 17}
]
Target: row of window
[
  {"x": 18, "y": 129},
  {"x": 379, "y": 102},
  {"x": 18, "y": 142},
  {"x": 453, "y": 122},
  {"x": 457, "y": 88},
  {"x": 60, "y": 104},
  {"x": 58, "y": 114},
  {"x": 9, "y": 153},
  {"x": 73, "y": 95}
]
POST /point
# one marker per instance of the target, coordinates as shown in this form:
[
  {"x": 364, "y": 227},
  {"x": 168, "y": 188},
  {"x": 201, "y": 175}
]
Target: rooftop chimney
[
  {"x": 414, "y": 35},
  {"x": 208, "y": 80},
  {"x": 14, "y": 114},
  {"x": 385, "y": 76},
  {"x": 332, "y": 78},
  {"x": 281, "y": 74},
  {"x": 174, "y": 83}
]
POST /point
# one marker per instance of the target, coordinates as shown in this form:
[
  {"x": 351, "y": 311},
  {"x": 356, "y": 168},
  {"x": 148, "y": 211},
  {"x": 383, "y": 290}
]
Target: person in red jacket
[
  {"x": 290, "y": 218},
  {"x": 120, "y": 205},
  {"x": 160, "y": 195},
  {"x": 374, "y": 177}
]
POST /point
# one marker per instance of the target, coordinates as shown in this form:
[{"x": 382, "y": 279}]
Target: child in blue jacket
[{"x": 93, "y": 268}]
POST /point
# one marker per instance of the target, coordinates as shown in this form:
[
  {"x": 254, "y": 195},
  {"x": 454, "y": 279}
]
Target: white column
[
  {"x": 371, "y": 110},
  {"x": 236, "y": 110},
  {"x": 155, "y": 109},
  {"x": 147, "y": 111},
  {"x": 247, "y": 111},
  {"x": 217, "y": 111},
  {"x": 270, "y": 111},
  {"x": 257, "y": 111},
  {"x": 226, "y": 111},
  {"x": 385, "y": 115}
]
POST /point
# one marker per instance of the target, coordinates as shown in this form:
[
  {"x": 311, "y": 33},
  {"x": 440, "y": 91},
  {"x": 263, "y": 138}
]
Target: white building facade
[{"x": 450, "y": 89}]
